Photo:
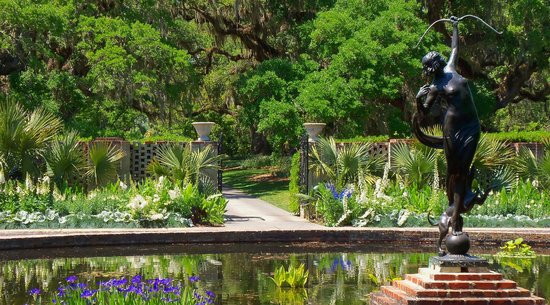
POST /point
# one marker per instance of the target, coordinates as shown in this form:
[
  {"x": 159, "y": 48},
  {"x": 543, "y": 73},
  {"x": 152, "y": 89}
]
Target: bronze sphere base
[{"x": 458, "y": 244}]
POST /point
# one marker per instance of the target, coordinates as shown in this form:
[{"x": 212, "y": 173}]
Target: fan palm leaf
[
  {"x": 492, "y": 154},
  {"x": 65, "y": 159},
  {"x": 203, "y": 163},
  {"x": 103, "y": 163},
  {"x": 415, "y": 163},
  {"x": 184, "y": 164},
  {"x": 173, "y": 159},
  {"x": 528, "y": 166},
  {"x": 345, "y": 164},
  {"x": 25, "y": 136},
  {"x": 325, "y": 155}
]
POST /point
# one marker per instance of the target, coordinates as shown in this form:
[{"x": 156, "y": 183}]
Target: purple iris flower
[
  {"x": 194, "y": 279},
  {"x": 87, "y": 293},
  {"x": 72, "y": 279},
  {"x": 34, "y": 291},
  {"x": 61, "y": 291}
]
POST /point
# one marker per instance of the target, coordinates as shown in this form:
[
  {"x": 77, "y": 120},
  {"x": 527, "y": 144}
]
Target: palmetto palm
[
  {"x": 65, "y": 159},
  {"x": 182, "y": 163},
  {"x": 25, "y": 136},
  {"x": 492, "y": 160},
  {"x": 528, "y": 166},
  {"x": 102, "y": 167},
  {"x": 414, "y": 163},
  {"x": 344, "y": 164}
]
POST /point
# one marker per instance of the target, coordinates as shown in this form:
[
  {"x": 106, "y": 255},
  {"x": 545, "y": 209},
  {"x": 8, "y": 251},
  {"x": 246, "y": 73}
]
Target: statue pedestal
[
  {"x": 458, "y": 263},
  {"x": 465, "y": 281}
]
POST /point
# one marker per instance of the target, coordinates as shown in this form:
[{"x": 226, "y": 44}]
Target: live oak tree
[{"x": 261, "y": 68}]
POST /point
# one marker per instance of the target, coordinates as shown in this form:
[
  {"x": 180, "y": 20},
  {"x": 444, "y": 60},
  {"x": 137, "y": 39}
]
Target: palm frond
[
  {"x": 414, "y": 163},
  {"x": 526, "y": 164},
  {"x": 344, "y": 164},
  {"x": 502, "y": 178},
  {"x": 103, "y": 163},
  {"x": 544, "y": 170},
  {"x": 491, "y": 154},
  {"x": 24, "y": 136},
  {"x": 64, "y": 159},
  {"x": 184, "y": 164},
  {"x": 174, "y": 158},
  {"x": 324, "y": 157},
  {"x": 203, "y": 163}
]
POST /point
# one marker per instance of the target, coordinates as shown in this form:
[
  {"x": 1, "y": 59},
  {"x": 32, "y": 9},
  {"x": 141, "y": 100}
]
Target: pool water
[{"x": 244, "y": 278}]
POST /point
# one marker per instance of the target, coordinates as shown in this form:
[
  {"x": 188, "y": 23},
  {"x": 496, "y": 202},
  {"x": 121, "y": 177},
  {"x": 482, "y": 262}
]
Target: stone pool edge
[{"x": 538, "y": 238}]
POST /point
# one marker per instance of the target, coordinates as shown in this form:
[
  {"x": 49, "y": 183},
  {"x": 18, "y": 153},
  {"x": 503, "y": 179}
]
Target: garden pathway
[{"x": 246, "y": 212}]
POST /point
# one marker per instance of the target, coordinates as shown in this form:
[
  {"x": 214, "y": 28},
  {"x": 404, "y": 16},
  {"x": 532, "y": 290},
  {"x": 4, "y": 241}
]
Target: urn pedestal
[{"x": 203, "y": 130}]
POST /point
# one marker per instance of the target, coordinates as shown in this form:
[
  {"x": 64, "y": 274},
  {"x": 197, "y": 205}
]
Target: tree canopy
[{"x": 262, "y": 68}]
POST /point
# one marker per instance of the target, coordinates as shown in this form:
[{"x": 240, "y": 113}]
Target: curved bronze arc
[{"x": 459, "y": 19}]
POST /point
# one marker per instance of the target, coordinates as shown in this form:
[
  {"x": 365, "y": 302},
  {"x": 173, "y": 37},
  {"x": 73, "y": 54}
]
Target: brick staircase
[{"x": 434, "y": 288}]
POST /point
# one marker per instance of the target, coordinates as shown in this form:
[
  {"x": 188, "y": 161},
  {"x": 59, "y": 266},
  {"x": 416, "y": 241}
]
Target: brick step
[
  {"x": 379, "y": 298},
  {"x": 416, "y": 290},
  {"x": 395, "y": 296},
  {"x": 428, "y": 283},
  {"x": 473, "y": 276}
]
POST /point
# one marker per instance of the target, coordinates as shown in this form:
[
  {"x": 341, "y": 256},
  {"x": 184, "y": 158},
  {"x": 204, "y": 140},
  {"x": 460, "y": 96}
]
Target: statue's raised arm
[{"x": 454, "y": 43}]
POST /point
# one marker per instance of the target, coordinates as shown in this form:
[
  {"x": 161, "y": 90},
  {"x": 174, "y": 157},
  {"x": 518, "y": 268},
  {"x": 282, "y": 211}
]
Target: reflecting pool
[{"x": 245, "y": 278}]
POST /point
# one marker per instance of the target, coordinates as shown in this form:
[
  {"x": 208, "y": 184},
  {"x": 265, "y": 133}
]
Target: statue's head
[{"x": 432, "y": 62}]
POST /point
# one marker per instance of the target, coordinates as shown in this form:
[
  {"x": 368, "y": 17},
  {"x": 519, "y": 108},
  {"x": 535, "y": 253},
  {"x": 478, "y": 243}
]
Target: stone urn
[
  {"x": 203, "y": 130},
  {"x": 313, "y": 130}
]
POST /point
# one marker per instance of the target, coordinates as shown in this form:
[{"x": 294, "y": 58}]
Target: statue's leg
[
  {"x": 460, "y": 223},
  {"x": 459, "y": 195},
  {"x": 443, "y": 231}
]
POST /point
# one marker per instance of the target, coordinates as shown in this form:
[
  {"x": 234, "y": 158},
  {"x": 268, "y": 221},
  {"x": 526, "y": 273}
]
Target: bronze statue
[{"x": 461, "y": 133}]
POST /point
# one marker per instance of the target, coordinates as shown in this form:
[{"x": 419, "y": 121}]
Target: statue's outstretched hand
[{"x": 454, "y": 19}]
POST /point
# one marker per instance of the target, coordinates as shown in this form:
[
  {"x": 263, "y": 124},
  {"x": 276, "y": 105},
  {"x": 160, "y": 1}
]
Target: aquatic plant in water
[
  {"x": 516, "y": 248},
  {"x": 127, "y": 291},
  {"x": 295, "y": 277}
]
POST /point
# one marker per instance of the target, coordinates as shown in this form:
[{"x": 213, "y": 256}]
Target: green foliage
[
  {"x": 415, "y": 164},
  {"x": 145, "y": 69},
  {"x": 104, "y": 160},
  {"x": 152, "y": 203},
  {"x": 294, "y": 184},
  {"x": 255, "y": 162},
  {"x": 516, "y": 248},
  {"x": 294, "y": 277},
  {"x": 24, "y": 137},
  {"x": 367, "y": 139},
  {"x": 281, "y": 124},
  {"x": 65, "y": 160},
  {"x": 182, "y": 163},
  {"x": 520, "y": 136},
  {"x": 347, "y": 164},
  {"x": 529, "y": 167}
]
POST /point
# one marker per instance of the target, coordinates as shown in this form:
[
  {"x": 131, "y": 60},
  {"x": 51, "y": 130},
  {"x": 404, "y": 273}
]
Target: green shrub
[
  {"x": 157, "y": 203},
  {"x": 280, "y": 166},
  {"x": 367, "y": 139},
  {"x": 294, "y": 184},
  {"x": 256, "y": 161},
  {"x": 520, "y": 136}
]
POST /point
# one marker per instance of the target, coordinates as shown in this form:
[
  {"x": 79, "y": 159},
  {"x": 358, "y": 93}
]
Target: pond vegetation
[{"x": 246, "y": 278}]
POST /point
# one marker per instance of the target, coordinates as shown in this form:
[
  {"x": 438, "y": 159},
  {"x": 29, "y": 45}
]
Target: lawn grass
[{"x": 274, "y": 192}]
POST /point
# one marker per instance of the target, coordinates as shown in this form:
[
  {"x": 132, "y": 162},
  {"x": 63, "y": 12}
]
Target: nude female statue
[{"x": 461, "y": 133}]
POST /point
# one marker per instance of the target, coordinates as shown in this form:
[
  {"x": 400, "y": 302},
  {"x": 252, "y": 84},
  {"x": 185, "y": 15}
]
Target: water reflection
[{"x": 244, "y": 278}]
